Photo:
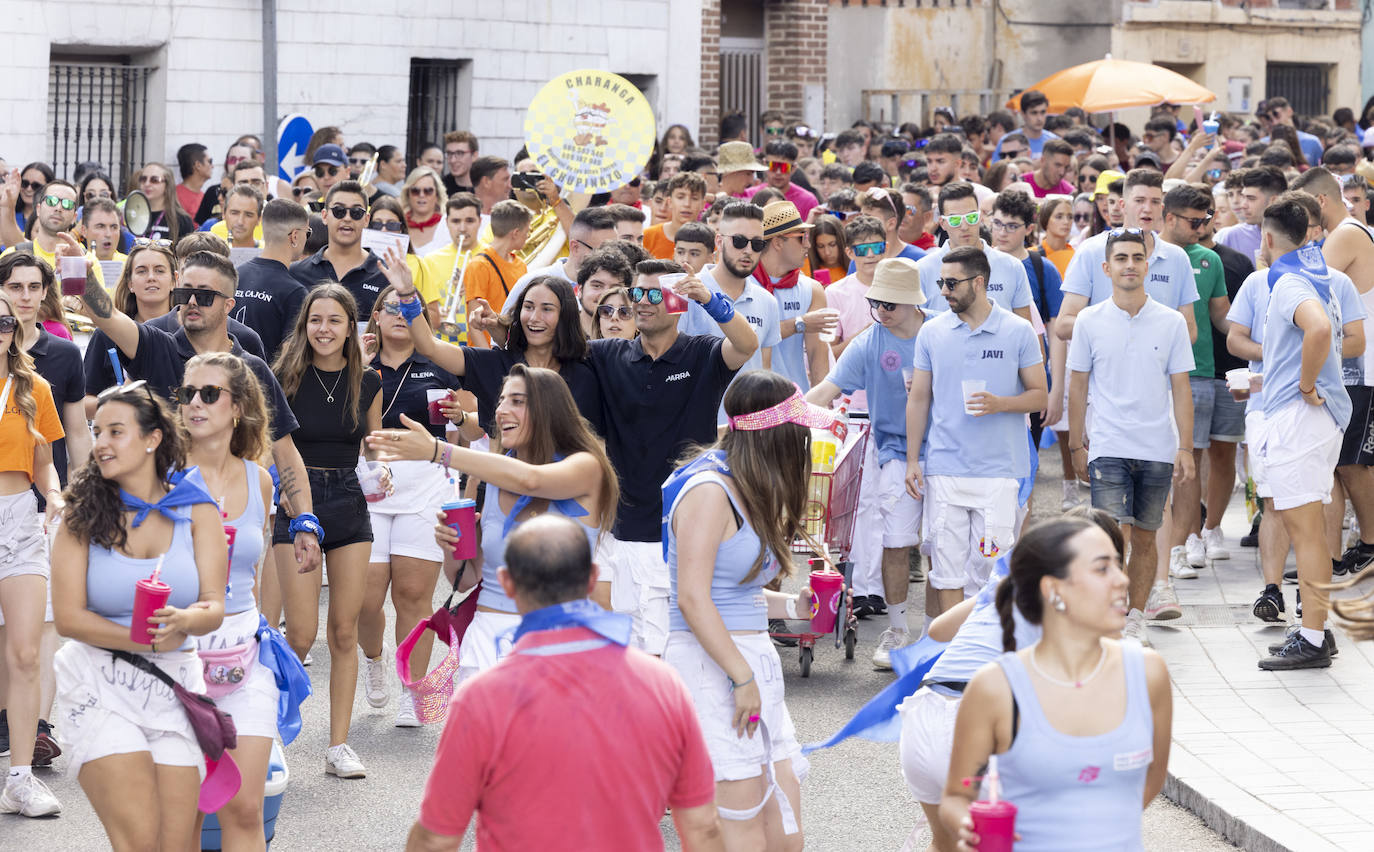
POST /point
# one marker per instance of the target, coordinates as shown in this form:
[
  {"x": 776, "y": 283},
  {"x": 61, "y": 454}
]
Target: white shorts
[
  {"x": 23, "y": 544},
  {"x": 894, "y": 513},
  {"x": 1254, "y": 431},
  {"x": 737, "y": 758},
  {"x": 866, "y": 553},
  {"x": 970, "y": 521},
  {"x": 106, "y": 706},
  {"x": 639, "y": 588},
  {"x": 927, "y": 740},
  {"x": 1299, "y": 446},
  {"x": 254, "y": 704},
  {"x": 481, "y": 646},
  {"x": 405, "y": 535}
]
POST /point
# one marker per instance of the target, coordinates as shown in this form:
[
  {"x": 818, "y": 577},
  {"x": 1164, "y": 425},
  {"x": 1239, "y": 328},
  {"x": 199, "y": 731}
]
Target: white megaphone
[{"x": 138, "y": 218}]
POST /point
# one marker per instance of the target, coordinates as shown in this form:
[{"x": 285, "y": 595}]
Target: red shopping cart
[{"x": 831, "y": 505}]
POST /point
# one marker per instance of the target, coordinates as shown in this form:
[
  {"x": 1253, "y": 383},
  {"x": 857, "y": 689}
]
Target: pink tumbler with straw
[
  {"x": 994, "y": 820},
  {"x": 150, "y": 595},
  {"x": 461, "y": 515},
  {"x": 825, "y": 600}
]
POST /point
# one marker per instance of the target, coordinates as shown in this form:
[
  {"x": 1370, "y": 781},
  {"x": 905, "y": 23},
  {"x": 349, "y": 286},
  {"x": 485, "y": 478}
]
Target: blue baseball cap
[{"x": 331, "y": 155}]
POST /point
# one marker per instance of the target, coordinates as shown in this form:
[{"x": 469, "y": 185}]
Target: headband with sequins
[{"x": 794, "y": 409}]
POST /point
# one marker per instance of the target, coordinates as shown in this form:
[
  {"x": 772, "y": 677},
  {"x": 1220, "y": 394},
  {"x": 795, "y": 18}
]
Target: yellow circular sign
[{"x": 591, "y": 131}]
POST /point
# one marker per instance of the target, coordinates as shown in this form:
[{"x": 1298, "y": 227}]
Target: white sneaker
[
  {"x": 1071, "y": 495},
  {"x": 1162, "y": 605},
  {"x": 1179, "y": 568},
  {"x": 1195, "y": 551},
  {"x": 28, "y": 797},
  {"x": 1136, "y": 628},
  {"x": 1215, "y": 543},
  {"x": 309, "y": 660},
  {"x": 405, "y": 711},
  {"x": 891, "y": 640},
  {"x": 342, "y": 760},
  {"x": 374, "y": 680}
]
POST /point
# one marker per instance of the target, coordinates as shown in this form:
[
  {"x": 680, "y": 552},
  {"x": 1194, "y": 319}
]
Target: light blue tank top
[
  {"x": 789, "y": 355},
  {"x": 494, "y": 547},
  {"x": 110, "y": 575},
  {"x": 248, "y": 543},
  {"x": 1078, "y": 793},
  {"x": 979, "y": 639},
  {"x": 742, "y": 606}
]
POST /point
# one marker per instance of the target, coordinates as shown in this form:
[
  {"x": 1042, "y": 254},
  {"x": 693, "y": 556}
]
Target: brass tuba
[{"x": 547, "y": 238}]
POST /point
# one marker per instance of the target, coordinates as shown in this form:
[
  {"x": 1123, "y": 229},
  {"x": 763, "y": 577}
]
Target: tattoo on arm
[
  {"x": 97, "y": 299},
  {"x": 290, "y": 490}
]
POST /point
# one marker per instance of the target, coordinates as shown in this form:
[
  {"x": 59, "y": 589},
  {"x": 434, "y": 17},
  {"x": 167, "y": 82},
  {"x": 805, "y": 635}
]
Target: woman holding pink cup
[
  {"x": 130, "y": 741},
  {"x": 1079, "y": 721},
  {"x": 552, "y": 462}
]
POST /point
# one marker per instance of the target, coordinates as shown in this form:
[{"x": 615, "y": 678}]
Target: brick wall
[
  {"x": 710, "y": 73},
  {"x": 795, "y": 31}
]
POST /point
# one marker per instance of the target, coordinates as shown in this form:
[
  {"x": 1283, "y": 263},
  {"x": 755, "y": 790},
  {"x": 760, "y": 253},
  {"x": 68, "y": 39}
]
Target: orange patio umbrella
[{"x": 1111, "y": 84}]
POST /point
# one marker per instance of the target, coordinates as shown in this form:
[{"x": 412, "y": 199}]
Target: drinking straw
[{"x": 114, "y": 362}]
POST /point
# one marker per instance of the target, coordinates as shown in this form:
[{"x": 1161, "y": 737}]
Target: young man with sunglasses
[
  {"x": 865, "y": 245},
  {"x": 781, "y": 158},
  {"x": 330, "y": 165},
  {"x": 686, "y": 193},
  {"x": 978, "y": 372},
  {"x": 343, "y": 258},
  {"x": 660, "y": 393},
  {"x": 799, "y": 354},
  {"x": 959, "y": 216},
  {"x": 918, "y": 223},
  {"x": 876, "y": 363},
  {"x": 267, "y": 295}
]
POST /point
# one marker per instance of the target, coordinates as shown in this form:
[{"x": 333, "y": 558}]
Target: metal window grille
[
  {"x": 98, "y": 113},
  {"x": 436, "y": 103},
  {"x": 741, "y": 79},
  {"x": 1304, "y": 85}
]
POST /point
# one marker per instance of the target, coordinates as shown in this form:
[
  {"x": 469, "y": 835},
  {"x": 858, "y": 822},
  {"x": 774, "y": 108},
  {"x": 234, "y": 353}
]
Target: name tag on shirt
[{"x": 1127, "y": 761}]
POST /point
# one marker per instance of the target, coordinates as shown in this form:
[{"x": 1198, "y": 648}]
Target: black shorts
[
  {"x": 1357, "y": 447},
  {"x": 337, "y": 500}
]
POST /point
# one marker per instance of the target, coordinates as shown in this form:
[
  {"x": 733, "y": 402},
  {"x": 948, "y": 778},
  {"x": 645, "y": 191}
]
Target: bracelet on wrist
[
  {"x": 734, "y": 686},
  {"x": 1306, "y": 392}
]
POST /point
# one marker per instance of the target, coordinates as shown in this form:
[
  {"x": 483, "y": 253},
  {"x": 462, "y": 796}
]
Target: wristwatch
[{"x": 799, "y": 326}]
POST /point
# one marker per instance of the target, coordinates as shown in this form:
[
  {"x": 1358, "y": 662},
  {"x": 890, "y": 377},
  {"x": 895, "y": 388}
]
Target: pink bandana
[{"x": 794, "y": 409}]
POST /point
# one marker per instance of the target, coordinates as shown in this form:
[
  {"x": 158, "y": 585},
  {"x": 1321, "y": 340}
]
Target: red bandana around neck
[
  {"x": 787, "y": 282},
  {"x": 428, "y": 223}
]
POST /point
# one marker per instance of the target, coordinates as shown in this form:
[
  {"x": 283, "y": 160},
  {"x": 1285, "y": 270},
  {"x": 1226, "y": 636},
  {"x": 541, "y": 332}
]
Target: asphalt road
[{"x": 853, "y": 799}]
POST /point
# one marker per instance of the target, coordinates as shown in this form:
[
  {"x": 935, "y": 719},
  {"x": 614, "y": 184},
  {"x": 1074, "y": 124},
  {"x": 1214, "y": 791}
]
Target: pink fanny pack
[{"x": 226, "y": 669}]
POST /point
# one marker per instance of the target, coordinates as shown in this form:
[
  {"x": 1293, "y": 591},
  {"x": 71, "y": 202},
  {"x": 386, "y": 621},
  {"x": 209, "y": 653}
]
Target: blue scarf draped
[
  {"x": 183, "y": 493},
  {"x": 293, "y": 683},
  {"x": 568, "y": 506},
  {"x": 613, "y": 626},
  {"x": 1307, "y": 263},
  {"x": 673, "y": 485}
]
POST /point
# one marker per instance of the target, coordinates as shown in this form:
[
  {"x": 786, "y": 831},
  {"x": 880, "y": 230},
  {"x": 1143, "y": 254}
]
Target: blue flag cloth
[
  {"x": 1024, "y": 486},
  {"x": 878, "y": 720},
  {"x": 672, "y": 486},
  {"x": 293, "y": 683},
  {"x": 183, "y": 493},
  {"x": 569, "y": 507},
  {"x": 1307, "y": 263},
  {"x": 614, "y": 626}
]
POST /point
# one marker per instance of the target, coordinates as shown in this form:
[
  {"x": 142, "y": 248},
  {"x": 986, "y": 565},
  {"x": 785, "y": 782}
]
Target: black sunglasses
[
  {"x": 389, "y": 227},
  {"x": 606, "y": 311},
  {"x": 209, "y": 394},
  {"x": 29, "y": 184},
  {"x": 8, "y": 324},
  {"x": 887, "y": 306},
  {"x": 654, "y": 294},
  {"x": 951, "y": 283},
  {"x": 1008, "y": 155},
  {"x": 186, "y": 295},
  {"x": 1196, "y": 223},
  {"x": 758, "y": 244},
  {"x": 323, "y": 169},
  {"x": 300, "y": 190},
  {"x": 338, "y": 211}
]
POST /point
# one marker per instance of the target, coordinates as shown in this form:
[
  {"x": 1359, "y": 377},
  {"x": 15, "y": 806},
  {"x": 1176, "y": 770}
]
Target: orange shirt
[
  {"x": 1060, "y": 259},
  {"x": 491, "y": 277},
  {"x": 16, "y": 444},
  {"x": 657, "y": 243}
]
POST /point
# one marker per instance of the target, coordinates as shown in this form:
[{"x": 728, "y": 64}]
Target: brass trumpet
[{"x": 454, "y": 301}]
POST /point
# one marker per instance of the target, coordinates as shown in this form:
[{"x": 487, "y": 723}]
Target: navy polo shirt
[
  {"x": 364, "y": 282},
  {"x": 161, "y": 361},
  {"x": 247, "y": 337},
  {"x": 267, "y": 299},
  {"x": 59, "y": 362},
  {"x": 404, "y": 390},
  {"x": 653, "y": 410},
  {"x": 485, "y": 370}
]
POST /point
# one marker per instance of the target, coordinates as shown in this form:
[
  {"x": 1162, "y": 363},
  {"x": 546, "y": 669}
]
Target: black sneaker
[
  {"x": 777, "y": 625},
  {"x": 1269, "y": 605},
  {"x": 4, "y": 735},
  {"x": 1337, "y": 568},
  {"x": 1329, "y": 637},
  {"x": 863, "y": 606},
  {"x": 879, "y": 605},
  {"x": 1357, "y": 558},
  {"x": 1251, "y": 539},
  {"x": 45, "y": 747},
  {"x": 1297, "y": 653},
  {"x": 1290, "y": 575}
]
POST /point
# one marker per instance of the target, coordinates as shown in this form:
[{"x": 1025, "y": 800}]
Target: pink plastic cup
[
  {"x": 825, "y": 600},
  {"x": 461, "y": 515},
  {"x": 149, "y": 597},
  {"x": 436, "y": 414},
  {"x": 995, "y": 825}
]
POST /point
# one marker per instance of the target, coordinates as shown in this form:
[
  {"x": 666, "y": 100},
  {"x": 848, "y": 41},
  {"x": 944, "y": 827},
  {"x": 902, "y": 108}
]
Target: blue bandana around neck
[
  {"x": 568, "y": 506},
  {"x": 1307, "y": 263},
  {"x": 613, "y": 626},
  {"x": 183, "y": 493},
  {"x": 713, "y": 460}
]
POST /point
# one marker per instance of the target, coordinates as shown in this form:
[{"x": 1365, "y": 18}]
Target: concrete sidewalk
[{"x": 1270, "y": 760}]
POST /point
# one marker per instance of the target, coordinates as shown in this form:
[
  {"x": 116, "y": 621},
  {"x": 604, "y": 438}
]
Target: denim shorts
[
  {"x": 337, "y": 500},
  {"x": 1133, "y": 491},
  {"x": 1217, "y": 416}
]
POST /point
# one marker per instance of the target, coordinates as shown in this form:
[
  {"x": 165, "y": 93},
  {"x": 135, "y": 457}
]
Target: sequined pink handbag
[{"x": 432, "y": 692}]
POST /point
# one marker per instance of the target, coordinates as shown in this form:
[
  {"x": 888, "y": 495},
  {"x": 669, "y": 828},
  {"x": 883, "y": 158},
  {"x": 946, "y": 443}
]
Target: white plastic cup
[
  {"x": 370, "y": 478},
  {"x": 828, "y": 337},
  {"x": 1238, "y": 379},
  {"x": 971, "y": 387}
]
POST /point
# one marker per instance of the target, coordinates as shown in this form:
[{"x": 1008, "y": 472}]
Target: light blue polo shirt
[
  {"x": 757, "y": 306},
  {"x": 1008, "y": 285},
  {"x": 1251, "y": 306},
  {"x": 874, "y": 362},
  {"x": 1129, "y": 361},
  {"x": 789, "y": 356},
  {"x": 1243, "y": 238},
  {"x": 957, "y": 443},
  {"x": 1169, "y": 279},
  {"x": 1283, "y": 349}
]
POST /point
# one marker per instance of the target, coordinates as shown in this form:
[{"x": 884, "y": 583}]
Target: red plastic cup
[
  {"x": 149, "y": 596},
  {"x": 73, "y": 272},
  {"x": 825, "y": 600},
  {"x": 673, "y": 303},
  {"x": 461, "y": 515},
  {"x": 995, "y": 825},
  {"x": 230, "y": 532},
  {"x": 436, "y": 414}
]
